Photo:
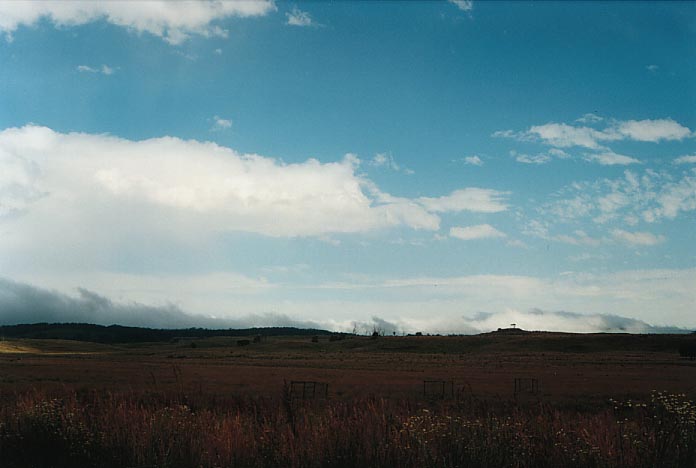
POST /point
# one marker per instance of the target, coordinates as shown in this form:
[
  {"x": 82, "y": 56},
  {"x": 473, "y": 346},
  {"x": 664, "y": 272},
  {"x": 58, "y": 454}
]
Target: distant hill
[{"x": 119, "y": 334}]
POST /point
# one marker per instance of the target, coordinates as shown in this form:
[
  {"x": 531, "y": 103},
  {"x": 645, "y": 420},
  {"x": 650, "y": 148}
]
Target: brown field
[
  {"x": 216, "y": 404},
  {"x": 568, "y": 367}
]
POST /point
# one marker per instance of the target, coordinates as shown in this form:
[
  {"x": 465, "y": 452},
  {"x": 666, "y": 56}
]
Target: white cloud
[
  {"x": 481, "y": 231},
  {"x": 562, "y": 135},
  {"x": 690, "y": 159},
  {"x": 221, "y": 124},
  {"x": 464, "y": 5},
  {"x": 589, "y": 118},
  {"x": 540, "y": 158},
  {"x": 469, "y": 199},
  {"x": 652, "y": 130},
  {"x": 646, "y": 196},
  {"x": 175, "y": 22},
  {"x": 385, "y": 160},
  {"x": 193, "y": 182},
  {"x": 637, "y": 238},
  {"x": 652, "y": 68},
  {"x": 297, "y": 17},
  {"x": 104, "y": 69},
  {"x": 473, "y": 160},
  {"x": 436, "y": 304},
  {"x": 609, "y": 158}
]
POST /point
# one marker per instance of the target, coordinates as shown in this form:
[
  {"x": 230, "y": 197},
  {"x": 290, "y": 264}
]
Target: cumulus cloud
[
  {"x": 206, "y": 185},
  {"x": 297, "y": 17},
  {"x": 473, "y": 160},
  {"x": 220, "y": 124},
  {"x": 652, "y": 130},
  {"x": 689, "y": 159},
  {"x": 464, "y": 5},
  {"x": 481, "y": 231},
  {"x": 175, "y": 22}
]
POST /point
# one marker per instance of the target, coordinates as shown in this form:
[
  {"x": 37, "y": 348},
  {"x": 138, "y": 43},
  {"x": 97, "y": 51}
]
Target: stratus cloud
[
  {"x": 175, "y": 22},
  {"x": 662, "y": 296},
  {"x": 23, "y": 303},
  {"x": 481, "y": 231}
]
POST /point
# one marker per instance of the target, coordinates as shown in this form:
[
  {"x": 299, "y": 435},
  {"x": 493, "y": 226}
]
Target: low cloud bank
[
  {"x": 538, "y": 320},
  {"x": 22, "y": 303}
]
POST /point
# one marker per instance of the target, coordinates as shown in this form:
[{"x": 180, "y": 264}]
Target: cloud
[
  {"x": 473, "y": 160},
  {"x": 648, "y": 196},
  {"x": 220, "y": 124},
  {"x": 174, "y": 22},
  {"x": 23, "y": 303},
  {"x": 540, "y": 158},
  {"x": 690, "y": 159},
  {"x": 481, "y": 231},
  {"x": 652, "y": 68},
  {"x": 562, "y": 135},
  {"x": 387, "y": 160},
  {"x": 202, "y": 187},
  {"x": 437, "y": 304},
  {"x": 297, "y": 17},
  {"x": 590, "y": 118},
  {"x": 609, "y": 158},
  {"x": 562, "y": 321},
  {"x": 429, "y": 304},
  {"x": 637, "y": 238},
  {"x": 469, "y": 199},
  {"x": 104, "y": 69},
  {"x": 464, "y": 5},
  {"x": 652, "y": 130}
]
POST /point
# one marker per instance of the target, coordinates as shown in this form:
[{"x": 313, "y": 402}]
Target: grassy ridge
[{"x": 120, "y": 334}]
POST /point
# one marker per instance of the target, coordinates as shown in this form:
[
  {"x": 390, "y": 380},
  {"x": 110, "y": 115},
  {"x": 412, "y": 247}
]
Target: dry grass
[{"x": 170, "y": 405}]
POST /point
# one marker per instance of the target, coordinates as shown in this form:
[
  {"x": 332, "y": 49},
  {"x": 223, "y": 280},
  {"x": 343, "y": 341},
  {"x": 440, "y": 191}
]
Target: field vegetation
[{"x": 604, "y": 401}]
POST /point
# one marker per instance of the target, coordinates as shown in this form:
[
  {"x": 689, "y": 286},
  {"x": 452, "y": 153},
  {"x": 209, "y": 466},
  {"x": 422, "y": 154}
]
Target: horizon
[{"x": 445, "y": 167}]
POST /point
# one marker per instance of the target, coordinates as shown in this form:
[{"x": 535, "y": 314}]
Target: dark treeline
[{"x": 121, "y": 334}]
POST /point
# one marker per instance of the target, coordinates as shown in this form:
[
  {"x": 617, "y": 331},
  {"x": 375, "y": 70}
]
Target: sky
[{"x": 439, "y": 166}]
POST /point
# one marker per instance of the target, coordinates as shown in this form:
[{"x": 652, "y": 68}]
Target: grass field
[{"x": 602, "y": 400}]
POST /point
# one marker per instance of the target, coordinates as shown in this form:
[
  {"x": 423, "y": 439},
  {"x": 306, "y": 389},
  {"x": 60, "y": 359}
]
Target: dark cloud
[{"x": 22, "y": 303}]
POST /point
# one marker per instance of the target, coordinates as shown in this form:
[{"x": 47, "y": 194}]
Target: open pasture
[
  {"x": 585, "y": 401},
  {"x": 569, "y": 368}
]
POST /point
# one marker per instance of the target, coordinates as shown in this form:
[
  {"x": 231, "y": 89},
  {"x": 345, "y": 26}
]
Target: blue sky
[{"x": 438, "y": 166}]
